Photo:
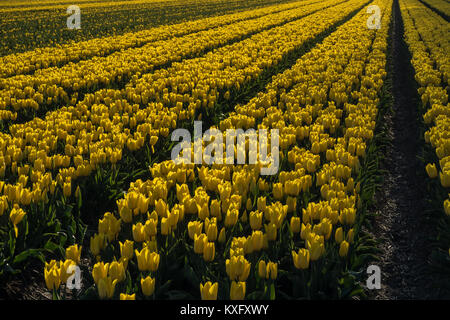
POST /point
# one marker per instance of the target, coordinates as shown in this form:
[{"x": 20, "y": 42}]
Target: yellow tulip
[
  {"x": 139, "y": 234},
  {"x": 237, "y": 291},
  {"x": 301, "y": 259},
  {"x": 199, "y": 243},
  {"x": 257, "y": 240},
  {"x": 126, "y": 249},
  {"x": 256, "y": 220},
  {"x": 209, "y": 251},
  {"x": 431, "y": 170},
  {"x": 117, "y": 271},
  {"x": 100, "y": 271},
  {"x": 147, "y": 261},
  {"x": 271, "y": 270},
  {"x": 16, "y": 215},
  {"x": 148, "y": 286},
  {"x": 271, "y": 231},
  {"x": 295, "y": 225},
  {"x": 222, "y": 236},
  {"x": 52, "y": 275},
  {"x": 343, "y": 249},
  {"x": 237, "y": 268},
  {"x": 98, "y": 243},
  {"x": 124, "y": 296},
  {"x": 447, "y": 207},
  {"x": 106, "y": 287},
  {"x": 209, "y": 290},
  {"x": 67, "y": 189},
  {"x": 262, "y": 269},
  {"x": 339, "y": 235},
  {"x": 74, "y": 253},
  {"x": 64, "y": 267},
  {"x": 194, "y": 228}
]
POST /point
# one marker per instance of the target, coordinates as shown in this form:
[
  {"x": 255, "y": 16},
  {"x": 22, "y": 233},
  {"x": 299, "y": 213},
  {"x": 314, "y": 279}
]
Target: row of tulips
[
  {"x": 51, "y": 86},
  {"x": 74, "y": 141},
  {"x": 26, "y": 29},
  {"x": 426, "y": 36},
  {"x": 259, "y": 220},
  {"x": 40, "y": 58}
]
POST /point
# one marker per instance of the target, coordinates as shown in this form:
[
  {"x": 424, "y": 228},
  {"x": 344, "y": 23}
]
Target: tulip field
[{"x": 93, "y": 205}]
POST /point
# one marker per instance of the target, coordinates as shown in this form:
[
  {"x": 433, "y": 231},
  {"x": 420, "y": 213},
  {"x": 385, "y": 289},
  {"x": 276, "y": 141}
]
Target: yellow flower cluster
[
  {"x": 427, "y": 39},
  {"x": 56, "y": 56},
  {"x": 62, "y": 84},
  {"x": 57, "y": 272},
  {"x": 350, "y": 58},
  {"x": 94, "y": 133}
]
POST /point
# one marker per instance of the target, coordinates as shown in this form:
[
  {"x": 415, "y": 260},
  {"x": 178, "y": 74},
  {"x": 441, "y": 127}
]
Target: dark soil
[{"x": 400, "y": 223}]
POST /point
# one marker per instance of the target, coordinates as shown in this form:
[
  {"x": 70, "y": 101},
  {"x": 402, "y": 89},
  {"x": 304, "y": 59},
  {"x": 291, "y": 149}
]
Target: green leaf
[{"x": 28, "y": 254}]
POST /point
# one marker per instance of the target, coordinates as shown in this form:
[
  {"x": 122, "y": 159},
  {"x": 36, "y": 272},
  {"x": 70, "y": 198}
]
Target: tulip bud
[
  {"x": 339, "y": 235},
  {"x": 447, "y": 207},
  {"x": 271, "y": 270},
  {"x": 199, "y": 243},
  {"x": 343, "y": 249},
  {"x": 237, "y": 291},
  {"x": 271, "y": 231},
  {"x": 295, "y": 225},
  {"x": 262, "y": 269},
  {"x": 209, "y": 251},
  {"x": 148, "y": 286},
  {"x": 215, "y": 209},
  {"x": 222, "y": 236},
  {"x": 209, "y": 290}
]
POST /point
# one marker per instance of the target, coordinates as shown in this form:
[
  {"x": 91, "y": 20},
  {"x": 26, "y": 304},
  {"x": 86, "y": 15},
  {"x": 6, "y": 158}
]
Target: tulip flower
[
  {"x": 209, "y": 251},
  {"x": 339, "y": 235},
  {"x": 64, "y": 269},
  {"x": 194, "y": 228},
  {"x": 100, "y": 271},
  {"x": 200, "y": 242},
  {"x": 271, "y": 270},
  {"x": 431, "y": 170},
  {"x": 271, "y": 231},
  {"x": 237, "y": 290},
  {"x": 16, "y": 215},
  {"x": 295, "y": 225},
  {"x": 148, "y": 286},
  {"x": 126, "y": 249},
  {"x": 52, "y": 275},
  {"x": 343, "y": 249},
  {"x": 262, "y": 269},
  {"x": 98, "y": 243},
  {"x": 106, "y": 287},
  {"x": 139, "y": 234},
  {"x": 209, "y": 290},
  {"x": 257, "y": 240},
  {"x": 74, "y": 253},
  {"x": 124, "y": 296},
  {"x": 256, "y": 220},
  {"x": 222, "y": 236},
  {"x": 117, "y": 271},
  {"x": 447, "y": 207},
  {"x": 301, "y": 259}
]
